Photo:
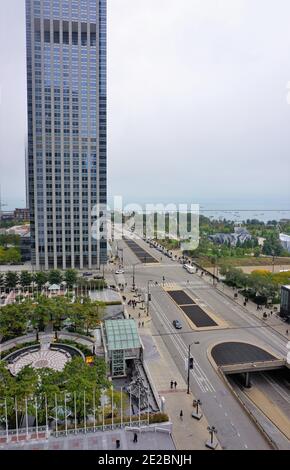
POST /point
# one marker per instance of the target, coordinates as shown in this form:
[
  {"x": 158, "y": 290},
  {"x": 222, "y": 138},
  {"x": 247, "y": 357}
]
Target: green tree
[
  {"x": 77, "y": 378},
  {"x": 2, "y": 280},
  {"x": 13, "y": 321},
  {"x": 12, "y": 255},
  {"x": 25, "y": 279},
  {"x": 70, "y": 277},
  {"x": 11, "y": 280},
  {"x": 55, "y": 277},
  {"x": 40, "y": 279},
  {"x": 272, "y": 246},
  {"x": 257, "y": 252}
]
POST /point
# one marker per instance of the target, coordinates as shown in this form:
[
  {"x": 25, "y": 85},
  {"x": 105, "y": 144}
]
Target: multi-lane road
[{"x": 235, "y": 428}]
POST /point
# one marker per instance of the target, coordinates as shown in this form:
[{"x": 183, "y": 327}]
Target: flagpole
[
  {"x": 26, "y": 418},
  {"x": 130, "y": 407},
  {"x": 121, "y": 407},
  {"x": 16, "y": 417},
  {"x": 75, "y": 403},
  {"x": 6, "y": 420},
  {"x": 36, "y": 418},
  {"x": 94, "y": 404},
  {"x": 112, "y": 406},
  {"x": 103, "y": 415},
  {"x": 46, "y": 414},
  {"x": 56, "y": 415},
  {"x": 85, "y": 417},
  {"x": 65, "y": 417}
]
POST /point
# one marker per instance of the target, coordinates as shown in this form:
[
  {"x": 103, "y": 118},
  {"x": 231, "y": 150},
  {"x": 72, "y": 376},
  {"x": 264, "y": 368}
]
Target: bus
[{"x": 190, "y": 269}]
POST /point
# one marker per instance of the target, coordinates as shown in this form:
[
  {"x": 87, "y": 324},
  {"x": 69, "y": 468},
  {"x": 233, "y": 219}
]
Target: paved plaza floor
[{"x": 99, "y": 441}]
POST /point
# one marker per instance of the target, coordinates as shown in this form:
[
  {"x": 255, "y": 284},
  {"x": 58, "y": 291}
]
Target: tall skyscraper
[{"x": 67, "y": 130}]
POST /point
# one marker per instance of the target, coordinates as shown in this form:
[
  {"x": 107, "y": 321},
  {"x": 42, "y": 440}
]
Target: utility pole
[
  {"x": 273, "y": 261},
  {"x": 188, "y": 370},
  {"x": 148, "y": 296},
  {"x": 133, "y": 284}
]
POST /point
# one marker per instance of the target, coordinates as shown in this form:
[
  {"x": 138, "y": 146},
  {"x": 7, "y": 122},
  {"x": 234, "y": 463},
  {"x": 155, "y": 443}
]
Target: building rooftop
[{"x": 122, "y": 334}]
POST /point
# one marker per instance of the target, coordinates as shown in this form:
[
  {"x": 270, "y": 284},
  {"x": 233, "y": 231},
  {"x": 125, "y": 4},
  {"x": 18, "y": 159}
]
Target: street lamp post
[
  {"x": 148, "y": 295},
  {"x": 133, "y": 284},
  {"x": 188, "y": 370},
  {"x": 273, "y": 261},
  {"x": 189, "y": 365},
  {"x": 212, "y": 443},
  {"x": 197, "y": 403}
]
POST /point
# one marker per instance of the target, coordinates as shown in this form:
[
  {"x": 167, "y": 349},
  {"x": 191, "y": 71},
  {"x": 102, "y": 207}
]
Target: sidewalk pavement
[{"x": 188, "y": 433}]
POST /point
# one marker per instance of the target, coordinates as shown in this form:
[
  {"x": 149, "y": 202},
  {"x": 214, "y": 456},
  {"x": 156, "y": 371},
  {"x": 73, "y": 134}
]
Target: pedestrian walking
[
  {"x": 143, "y": 323},
  {"x": 118, "y": 444},
  {"x": 175, "y": 384},
  {"x": 135, "y": 440},
  {"x": 139, "y": 315},
  {"x": 139, "y": 324},
  {"x": 287, "y": 332},
  {"x": 181, "y": 415},
  {"x": 171, "y": 384}
]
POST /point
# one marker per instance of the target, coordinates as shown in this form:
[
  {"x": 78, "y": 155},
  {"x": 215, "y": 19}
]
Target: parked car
[
  {"x": 119, "y": 271},
  {"x": 177, "y": 324}
]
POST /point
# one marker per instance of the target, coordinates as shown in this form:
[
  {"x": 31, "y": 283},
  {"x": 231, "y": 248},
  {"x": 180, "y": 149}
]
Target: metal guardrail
[
  {"x": 253, "y": 366},
  {"x": 72, "y": 431}
]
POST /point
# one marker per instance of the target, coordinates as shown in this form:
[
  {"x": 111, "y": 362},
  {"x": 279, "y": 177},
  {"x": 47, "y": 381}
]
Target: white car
[{"x": 119, "y": 271}]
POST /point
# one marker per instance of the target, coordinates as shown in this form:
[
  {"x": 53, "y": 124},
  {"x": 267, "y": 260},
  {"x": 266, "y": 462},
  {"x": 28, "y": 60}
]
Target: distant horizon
[{"x": 238, "y": 211}]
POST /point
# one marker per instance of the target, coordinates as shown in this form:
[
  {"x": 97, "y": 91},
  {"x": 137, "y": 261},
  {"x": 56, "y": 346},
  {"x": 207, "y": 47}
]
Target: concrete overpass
[
  {"x": 254, "y": 366},
  {"x": 244, "y": 358}
]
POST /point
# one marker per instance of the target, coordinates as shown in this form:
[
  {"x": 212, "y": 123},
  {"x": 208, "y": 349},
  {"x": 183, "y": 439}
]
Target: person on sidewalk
[
  {"x": 171, "y": 384},
  {"x": 181, "y": 415},
  {"x": 175, "y": 384},
  {"x": 118, "y": 444},
  {"x": 135, "y": 440}
]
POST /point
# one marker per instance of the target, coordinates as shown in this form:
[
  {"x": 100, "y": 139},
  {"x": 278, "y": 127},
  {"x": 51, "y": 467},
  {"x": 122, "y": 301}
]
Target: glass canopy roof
[{"x": 122, "y": 334}]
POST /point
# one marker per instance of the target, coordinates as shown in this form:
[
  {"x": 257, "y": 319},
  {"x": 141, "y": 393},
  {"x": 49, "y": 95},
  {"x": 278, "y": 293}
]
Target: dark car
[{"x": 177, "y": 324}]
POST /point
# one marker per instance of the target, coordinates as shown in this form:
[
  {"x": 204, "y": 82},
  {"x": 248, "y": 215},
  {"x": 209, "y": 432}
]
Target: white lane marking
[
  {"x": 162, "y": 318},
  {"x": 251, "y": 321},
  {"x": 197, "y": 367},
  {"x": 197, "y": 373},
  {"x": 277, "y": 387}
]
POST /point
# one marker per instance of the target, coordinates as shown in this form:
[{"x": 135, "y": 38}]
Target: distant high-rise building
[{"x": 67, "y": 130}]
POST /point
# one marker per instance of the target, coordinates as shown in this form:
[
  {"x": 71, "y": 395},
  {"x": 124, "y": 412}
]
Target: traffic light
[{"x": 190, "y": 363}]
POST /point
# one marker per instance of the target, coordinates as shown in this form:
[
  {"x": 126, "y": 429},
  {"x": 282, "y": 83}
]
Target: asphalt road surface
[{"x": 235, "y": 429}]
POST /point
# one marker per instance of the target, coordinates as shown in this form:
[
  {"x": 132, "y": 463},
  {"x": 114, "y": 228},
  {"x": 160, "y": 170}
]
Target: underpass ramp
[{"x": 236, "y": 357}]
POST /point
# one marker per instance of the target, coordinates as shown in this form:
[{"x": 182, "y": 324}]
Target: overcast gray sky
[{"x": 197, "y": 100}]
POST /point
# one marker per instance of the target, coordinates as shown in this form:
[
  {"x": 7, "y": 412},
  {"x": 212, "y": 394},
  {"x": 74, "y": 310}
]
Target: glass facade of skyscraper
[{"x": 67, "y": 130}]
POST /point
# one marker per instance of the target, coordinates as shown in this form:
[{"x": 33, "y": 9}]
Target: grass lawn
[{"x": 246, "y": 261}]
